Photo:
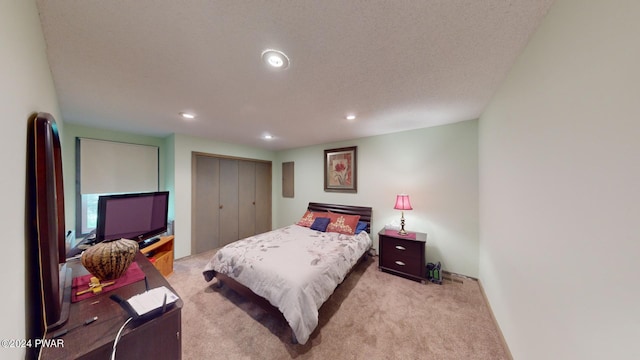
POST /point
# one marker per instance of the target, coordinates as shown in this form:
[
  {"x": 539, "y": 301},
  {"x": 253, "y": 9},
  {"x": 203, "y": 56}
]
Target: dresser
[
  {"x": 402, "y": 255},
  {"x": 156, "y": 338}
]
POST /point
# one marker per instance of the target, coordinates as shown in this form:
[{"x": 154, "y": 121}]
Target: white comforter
[{"x": 294, "y": 267}]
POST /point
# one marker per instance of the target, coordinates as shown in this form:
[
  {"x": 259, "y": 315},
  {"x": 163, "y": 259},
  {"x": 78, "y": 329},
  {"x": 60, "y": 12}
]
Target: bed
[{"x": 293, "y": 270}]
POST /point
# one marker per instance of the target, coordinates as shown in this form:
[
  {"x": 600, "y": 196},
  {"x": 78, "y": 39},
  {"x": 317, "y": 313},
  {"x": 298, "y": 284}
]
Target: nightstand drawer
[
  {"x": 403, "y": 264},
  {"x": 404, "y": 249}
]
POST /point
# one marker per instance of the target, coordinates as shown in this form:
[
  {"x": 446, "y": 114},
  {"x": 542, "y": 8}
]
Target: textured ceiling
[{"x": 399, "y": 65}]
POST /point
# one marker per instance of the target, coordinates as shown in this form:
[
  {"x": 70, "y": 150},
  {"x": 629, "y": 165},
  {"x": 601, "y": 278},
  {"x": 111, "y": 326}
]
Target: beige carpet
[{"x": 371, "y": 315}]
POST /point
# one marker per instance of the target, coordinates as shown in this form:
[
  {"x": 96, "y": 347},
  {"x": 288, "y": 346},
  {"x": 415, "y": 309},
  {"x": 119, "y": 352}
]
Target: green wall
[
  {"x": 436, "y": 166},
  {"x": 73, "y": 131},
  {"x": 182, "y": 148}
]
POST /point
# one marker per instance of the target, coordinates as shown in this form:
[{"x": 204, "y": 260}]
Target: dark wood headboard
[{"x": 363, "y": 211}]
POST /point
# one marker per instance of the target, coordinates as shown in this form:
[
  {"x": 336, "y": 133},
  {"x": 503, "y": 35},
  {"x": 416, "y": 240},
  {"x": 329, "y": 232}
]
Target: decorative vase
[{"x": 109, "y": 260}]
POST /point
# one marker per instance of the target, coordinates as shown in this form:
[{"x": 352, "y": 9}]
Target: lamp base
[{"x": 402, "y": 231}]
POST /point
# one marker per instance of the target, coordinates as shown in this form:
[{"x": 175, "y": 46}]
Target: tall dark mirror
[{"x": 46, "y": 224}]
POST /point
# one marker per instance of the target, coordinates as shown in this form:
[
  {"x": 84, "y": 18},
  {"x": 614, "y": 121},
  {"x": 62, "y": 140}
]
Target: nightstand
[{"x": 402, "y": 255}]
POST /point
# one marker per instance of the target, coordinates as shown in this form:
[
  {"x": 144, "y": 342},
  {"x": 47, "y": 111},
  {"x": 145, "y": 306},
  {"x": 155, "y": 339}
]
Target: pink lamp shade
[{"x": 403, "y": 203}]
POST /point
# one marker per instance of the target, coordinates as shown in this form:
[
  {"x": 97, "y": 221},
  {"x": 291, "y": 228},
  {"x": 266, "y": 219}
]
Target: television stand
[
  {"x": 146, "y": 243},
  {"x": 160, "y": 253}
]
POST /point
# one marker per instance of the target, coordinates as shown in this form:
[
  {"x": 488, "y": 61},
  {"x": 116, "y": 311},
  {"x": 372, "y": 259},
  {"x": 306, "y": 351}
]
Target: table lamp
[{"x": 402, "y": 203}]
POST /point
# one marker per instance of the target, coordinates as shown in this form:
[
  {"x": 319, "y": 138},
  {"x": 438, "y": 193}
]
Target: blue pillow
[
  {"x": 360, "y": 227},
  {"x": 320, "y": 224}
]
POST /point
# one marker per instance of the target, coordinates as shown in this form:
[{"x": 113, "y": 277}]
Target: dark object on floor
[{"x": 434, "y": 273}]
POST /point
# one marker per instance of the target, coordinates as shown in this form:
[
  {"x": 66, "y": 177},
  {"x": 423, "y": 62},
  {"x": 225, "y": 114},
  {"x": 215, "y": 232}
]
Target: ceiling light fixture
[
  {"x": 267, "y": 137},
  {"x": 275, "y": 59},
  {"x": 350, "y": 117},
  {"x": 187, "y": 115}
]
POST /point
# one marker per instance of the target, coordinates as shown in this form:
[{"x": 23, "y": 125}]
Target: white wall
[
  {"x": 26, "y": 87},
  {"x": 559, "y": 188},
  {"x": 179, "y": 161},
  {"x": 437, "y": 167}
]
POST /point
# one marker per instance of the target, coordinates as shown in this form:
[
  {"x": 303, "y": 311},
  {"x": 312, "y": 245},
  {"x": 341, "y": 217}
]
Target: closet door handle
[
  {"x": 221, "y": 206},
  {"x": 254, "y": 203}
]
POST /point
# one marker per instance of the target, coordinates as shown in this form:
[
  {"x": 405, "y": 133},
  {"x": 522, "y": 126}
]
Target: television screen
[{"x": 137, "y": 216}]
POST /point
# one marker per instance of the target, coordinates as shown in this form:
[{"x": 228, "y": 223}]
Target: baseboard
[
  {"x": 493, "y": 317},
  {"x": 455, "y": 277}
]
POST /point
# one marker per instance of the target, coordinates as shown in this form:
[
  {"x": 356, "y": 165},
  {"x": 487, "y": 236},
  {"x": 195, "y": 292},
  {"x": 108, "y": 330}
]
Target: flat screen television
[{"x": 134, "y": 216}]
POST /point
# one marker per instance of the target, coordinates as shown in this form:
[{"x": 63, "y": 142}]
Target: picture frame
[{"x": 341, "y": 169}]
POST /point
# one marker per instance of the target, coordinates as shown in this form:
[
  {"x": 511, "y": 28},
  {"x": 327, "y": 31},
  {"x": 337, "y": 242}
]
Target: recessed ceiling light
[
  {"x": 267, "y": 137},
  {"x": 350, "y": 117},
  {"x": 275, "y": 59},
  {"x": 187, "y": 115}
]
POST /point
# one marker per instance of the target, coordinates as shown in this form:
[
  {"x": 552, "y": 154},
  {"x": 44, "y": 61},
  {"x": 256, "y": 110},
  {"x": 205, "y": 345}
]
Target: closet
[{"x": 231, "y": 200}]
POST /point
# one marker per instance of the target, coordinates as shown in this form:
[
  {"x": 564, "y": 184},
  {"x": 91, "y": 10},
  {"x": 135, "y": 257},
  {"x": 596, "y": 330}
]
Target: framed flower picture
[{"x": 340, "y": 169}]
